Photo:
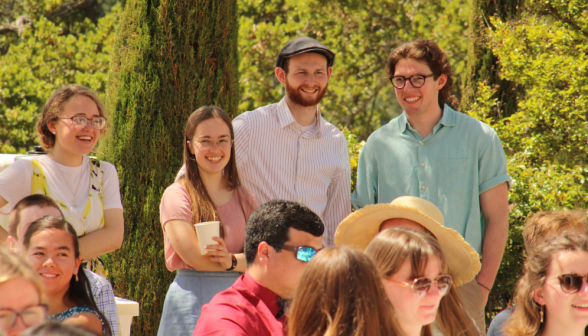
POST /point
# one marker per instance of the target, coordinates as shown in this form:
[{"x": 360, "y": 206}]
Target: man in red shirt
[{"x": 281, "y": 237}]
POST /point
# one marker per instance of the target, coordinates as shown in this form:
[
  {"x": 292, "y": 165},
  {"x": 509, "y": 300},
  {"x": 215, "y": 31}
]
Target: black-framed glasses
[
  {"x": 416, "y": 81},
  {"x": 31, "y": 315},
  {"x": 420, "y": 286},
  {"x": 303, "y": 253},
  {"x": 572, "y": 283},
  {"x": 81, "y": 122}
]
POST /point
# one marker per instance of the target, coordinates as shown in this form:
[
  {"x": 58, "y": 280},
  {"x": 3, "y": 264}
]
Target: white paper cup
[{"x": 205, "y": 231}]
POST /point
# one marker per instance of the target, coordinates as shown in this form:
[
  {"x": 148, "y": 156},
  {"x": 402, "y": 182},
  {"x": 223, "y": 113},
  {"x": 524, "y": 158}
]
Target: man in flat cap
[{"x": 287, "y": 150}]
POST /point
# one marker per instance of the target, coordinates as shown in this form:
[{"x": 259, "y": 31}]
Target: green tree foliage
[
  {"x": 43, "y": 46},
  {"x": 171, "y": 58},
  {"x": 482, "y": 64},
  {"x": 362, "y": 33},
  {"x": 546, "y": 139}
]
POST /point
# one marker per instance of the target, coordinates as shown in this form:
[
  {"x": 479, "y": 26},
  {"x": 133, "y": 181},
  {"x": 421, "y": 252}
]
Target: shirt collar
[
  {"x": 263, "y": 293},
  {"x": 447, "y": 120},
  {"x": 286, "y": 118}
]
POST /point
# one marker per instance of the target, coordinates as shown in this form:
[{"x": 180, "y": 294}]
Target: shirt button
[
  {"x": 422, "y": 164},
  {"x": 423, "y": 187},
  {"x": 422, "y": 143}
]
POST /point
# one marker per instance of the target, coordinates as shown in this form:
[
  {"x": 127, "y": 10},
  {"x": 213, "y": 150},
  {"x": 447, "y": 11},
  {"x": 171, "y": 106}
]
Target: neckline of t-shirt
[
  {"x": 69, "y": 169},
  {"x": 230, "y": 201}
]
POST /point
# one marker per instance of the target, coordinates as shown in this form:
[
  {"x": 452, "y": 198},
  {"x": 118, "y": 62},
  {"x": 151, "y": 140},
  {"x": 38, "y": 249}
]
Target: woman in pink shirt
[{"x": 210, "y": 190}]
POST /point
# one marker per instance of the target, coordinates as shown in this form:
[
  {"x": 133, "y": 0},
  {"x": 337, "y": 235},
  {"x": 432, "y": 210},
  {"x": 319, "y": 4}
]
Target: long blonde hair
[
  {"x": 392, "y": 247},
  {"x": 526, "y": 317},
  {"x": 340, "y": 293},
  {"x": 13, "y": 266}
]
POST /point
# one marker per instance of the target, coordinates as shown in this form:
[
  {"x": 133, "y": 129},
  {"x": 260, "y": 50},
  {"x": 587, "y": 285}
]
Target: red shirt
[{"x": 245, "y": 308}]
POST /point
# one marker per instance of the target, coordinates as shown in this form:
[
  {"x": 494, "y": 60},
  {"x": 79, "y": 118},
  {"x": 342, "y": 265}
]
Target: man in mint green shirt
[{"x": 443, "y": 156}]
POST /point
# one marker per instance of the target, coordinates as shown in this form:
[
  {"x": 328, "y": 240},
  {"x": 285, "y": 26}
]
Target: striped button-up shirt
[{"x": 278, "y": 160}]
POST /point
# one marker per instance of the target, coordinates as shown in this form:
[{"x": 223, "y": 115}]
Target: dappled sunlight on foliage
[{"x": 545, "y": 140}]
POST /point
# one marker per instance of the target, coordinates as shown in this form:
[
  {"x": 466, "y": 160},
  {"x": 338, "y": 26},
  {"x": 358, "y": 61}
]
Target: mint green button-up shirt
[{"x": 451, "y": 167}]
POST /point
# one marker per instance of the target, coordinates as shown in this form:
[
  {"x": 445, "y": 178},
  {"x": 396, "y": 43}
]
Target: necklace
[{"x": 67, "y": 184}]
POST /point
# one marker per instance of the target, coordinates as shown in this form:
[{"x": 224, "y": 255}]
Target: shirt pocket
[{"x": 453, "y": 175}]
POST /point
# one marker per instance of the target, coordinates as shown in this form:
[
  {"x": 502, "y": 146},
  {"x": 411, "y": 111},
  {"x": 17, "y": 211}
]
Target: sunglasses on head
[
  {"x": 303, "y": 253},
  {"x": 571, "y": 283},
  {"x": 420, "y": 286}
]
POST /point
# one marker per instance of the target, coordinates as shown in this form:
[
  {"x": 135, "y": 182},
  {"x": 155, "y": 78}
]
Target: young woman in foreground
[
  {"x": 414, "y": 272},
  {"x": 210, "y": 190},
  {"x": 53, "y": 250},
  {"x": 340, "y": 293},
  {"x": 552, "y": 295},
  {"x": 21, "y": 292}
]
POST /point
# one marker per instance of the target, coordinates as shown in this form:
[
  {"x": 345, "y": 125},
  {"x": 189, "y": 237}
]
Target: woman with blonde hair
[
  {"x": 340, "y": 294},
  {"x": 552, "y": 294},
  {"x": 21, "y": 293},
  {"x": 416, "y": 277}
]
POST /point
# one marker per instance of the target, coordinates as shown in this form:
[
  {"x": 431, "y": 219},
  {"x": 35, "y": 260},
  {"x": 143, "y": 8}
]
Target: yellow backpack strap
[{"x": 39, "y": 181}]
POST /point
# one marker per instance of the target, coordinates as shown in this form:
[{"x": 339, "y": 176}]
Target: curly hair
[
  {"x": 526, "y": 318},
  {"x": 271, "y": 221},
  {"x": 429, "y": 53}
]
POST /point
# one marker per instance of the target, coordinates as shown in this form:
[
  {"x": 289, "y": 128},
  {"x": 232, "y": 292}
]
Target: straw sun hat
[{"x": 360, "y": 227}]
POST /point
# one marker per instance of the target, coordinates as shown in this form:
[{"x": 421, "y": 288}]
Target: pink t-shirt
[{"x": 175, "y": 204}]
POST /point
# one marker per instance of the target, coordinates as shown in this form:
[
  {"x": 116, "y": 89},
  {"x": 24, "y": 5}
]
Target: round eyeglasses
[
  {"x": 416, "y": 81},
  {"x": 81, "y": 122},
  {"x": 30, "y": 316},
  {"x": 303, "y": 253},
  {"x": 420, "y": 286},
  {"x": 572, "y": 283}
]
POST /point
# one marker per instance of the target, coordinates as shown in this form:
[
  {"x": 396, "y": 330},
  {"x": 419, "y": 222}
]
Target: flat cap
[{"x": 303, "y": 45}]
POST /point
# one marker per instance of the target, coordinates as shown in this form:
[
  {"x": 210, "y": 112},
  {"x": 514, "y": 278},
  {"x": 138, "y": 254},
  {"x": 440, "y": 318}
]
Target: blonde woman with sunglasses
[
  {"x": 552, "y": 295},
  {"x": 416, "y": 278}
]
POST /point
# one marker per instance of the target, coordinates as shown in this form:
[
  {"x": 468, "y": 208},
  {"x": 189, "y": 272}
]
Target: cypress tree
[
  {"x": 170, "y": 57},
  {"x": 481, "y": 64}
]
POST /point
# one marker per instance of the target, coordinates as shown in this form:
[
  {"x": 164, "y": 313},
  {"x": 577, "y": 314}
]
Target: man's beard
[{"x": 298, "y": 97}]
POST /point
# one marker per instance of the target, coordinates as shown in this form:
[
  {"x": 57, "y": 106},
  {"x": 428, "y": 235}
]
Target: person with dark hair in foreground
[
  {"x": 281, "y": 237},
  {"x": 53, "y": 250},
  {"x": 341, "y": 293},
  {"x": 37, "y": 206},
  {"x": 448, "y": 158}
]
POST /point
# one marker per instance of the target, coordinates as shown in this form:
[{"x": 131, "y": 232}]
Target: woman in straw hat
[
  {"x": 340, "y": 293},
  {"x": 435, "y": 246}
]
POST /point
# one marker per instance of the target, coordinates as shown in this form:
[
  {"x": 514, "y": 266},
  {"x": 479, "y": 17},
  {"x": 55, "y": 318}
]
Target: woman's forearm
[{"x": 104, "y": 240}]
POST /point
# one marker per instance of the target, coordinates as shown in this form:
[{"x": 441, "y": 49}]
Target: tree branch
[{"x": 555, "y": 13}]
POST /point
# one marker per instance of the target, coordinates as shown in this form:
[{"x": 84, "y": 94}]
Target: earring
[
  {"x": 223, "y": 171},
  {"x": 541, "y": 312},
  {"x": 78, "y": 279}
]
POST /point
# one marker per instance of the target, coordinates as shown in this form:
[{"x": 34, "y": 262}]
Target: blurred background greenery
[{"x": 520, "y": 66}]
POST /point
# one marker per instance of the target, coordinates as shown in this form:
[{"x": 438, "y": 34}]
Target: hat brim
[
  {"x": 360, "y": 227},
  {"x": 328, "y": 54}
]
